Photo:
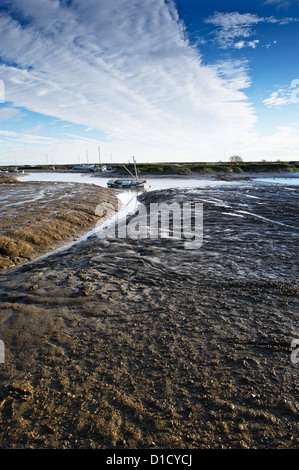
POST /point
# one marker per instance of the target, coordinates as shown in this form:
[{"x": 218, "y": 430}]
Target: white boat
[
  {"x": 134, "y": 182},
  {"x": 125, "y": 183}
]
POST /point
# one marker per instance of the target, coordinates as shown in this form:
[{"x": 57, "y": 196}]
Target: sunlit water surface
[{"x": 128, "y": 197}]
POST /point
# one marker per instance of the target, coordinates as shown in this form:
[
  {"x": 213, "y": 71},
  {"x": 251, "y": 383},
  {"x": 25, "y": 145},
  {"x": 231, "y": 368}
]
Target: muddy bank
[
  {"x": 39, "y": 217},
  {"x": 143, "y": 344},
  {"x": 7, "y": 179},
  {"x": 229, "y": 174}
]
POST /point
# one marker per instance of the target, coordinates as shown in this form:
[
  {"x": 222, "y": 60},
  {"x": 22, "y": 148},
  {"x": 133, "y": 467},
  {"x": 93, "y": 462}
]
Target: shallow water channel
[{"x": 128, "y": 197}]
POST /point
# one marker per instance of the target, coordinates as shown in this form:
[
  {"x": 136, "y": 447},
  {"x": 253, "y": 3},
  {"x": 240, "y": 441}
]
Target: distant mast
[{"x": 99, "y": 150}]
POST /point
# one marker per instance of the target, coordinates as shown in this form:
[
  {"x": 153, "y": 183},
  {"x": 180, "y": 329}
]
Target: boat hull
[{"x": 125, "y": 184}]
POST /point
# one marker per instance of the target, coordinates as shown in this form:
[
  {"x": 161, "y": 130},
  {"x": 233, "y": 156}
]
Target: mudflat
[
  {"x": 122, "y": 343},
  {"x": 39, "y": 217}
]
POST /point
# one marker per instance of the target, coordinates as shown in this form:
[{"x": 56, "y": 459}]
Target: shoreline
[{"x": 193, "y": 174}]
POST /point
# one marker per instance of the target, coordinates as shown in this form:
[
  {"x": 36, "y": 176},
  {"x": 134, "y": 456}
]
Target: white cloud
[
  {"x": 278, "y": 98},
  {"x": 125, "y": 68},
  {"x": 242, "y": 44},
  {"x": 32, "y": 130},
  {"x": 25, "y": 147},
  {"x": 281, "y": 144},
  {"x": 253, "y": 44},
  {"x": 233, "y": 29},
  {"x": 235, "y": 73},
  {"x": 280, "y": 4},
  {"x": 233, "y": 19},
  {"x": 8, "y": 113}
]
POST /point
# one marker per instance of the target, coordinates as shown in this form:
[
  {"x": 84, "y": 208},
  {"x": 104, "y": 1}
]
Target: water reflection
[
  {"x": 128, "y": 197},
  {"x": 291, "y": 181}
]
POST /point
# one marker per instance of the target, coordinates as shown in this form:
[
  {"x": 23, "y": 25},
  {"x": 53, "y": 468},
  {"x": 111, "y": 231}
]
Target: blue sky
[{"x": 163, "y": 80}]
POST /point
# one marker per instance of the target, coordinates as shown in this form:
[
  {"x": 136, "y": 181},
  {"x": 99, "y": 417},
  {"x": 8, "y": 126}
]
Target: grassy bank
[
  {"x": 7, "y": 179},
  {"x": 180, "y": 168}
]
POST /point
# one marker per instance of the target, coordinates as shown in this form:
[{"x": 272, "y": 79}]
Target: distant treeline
[{"x": 178, "y": 168}]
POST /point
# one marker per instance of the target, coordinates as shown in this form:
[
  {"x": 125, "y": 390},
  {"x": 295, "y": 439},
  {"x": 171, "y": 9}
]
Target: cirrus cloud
[
  {"x": 127, "y": 69},
  {"x": 235, "y": 29}
]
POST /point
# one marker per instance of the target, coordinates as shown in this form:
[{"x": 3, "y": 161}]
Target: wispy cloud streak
[
  {"x": 235, "y": 29},
  {"x": 124, "y": 67}
]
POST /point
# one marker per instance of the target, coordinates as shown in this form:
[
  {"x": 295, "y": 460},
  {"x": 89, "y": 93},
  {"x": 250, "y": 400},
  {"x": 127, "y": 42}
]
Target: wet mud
[
  {"x": 127, "y": 343},
  {"x": 40, "y": 217}
]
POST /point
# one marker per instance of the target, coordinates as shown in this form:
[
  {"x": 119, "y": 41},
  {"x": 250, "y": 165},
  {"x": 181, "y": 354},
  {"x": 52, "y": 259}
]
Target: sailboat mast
[{"x": 135, "y": 168}]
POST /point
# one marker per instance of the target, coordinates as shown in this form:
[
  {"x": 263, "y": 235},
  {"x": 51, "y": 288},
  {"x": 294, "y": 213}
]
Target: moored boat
[
  {"x": 134, "y": 182},
  {"x": 125, "y": 183}
]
